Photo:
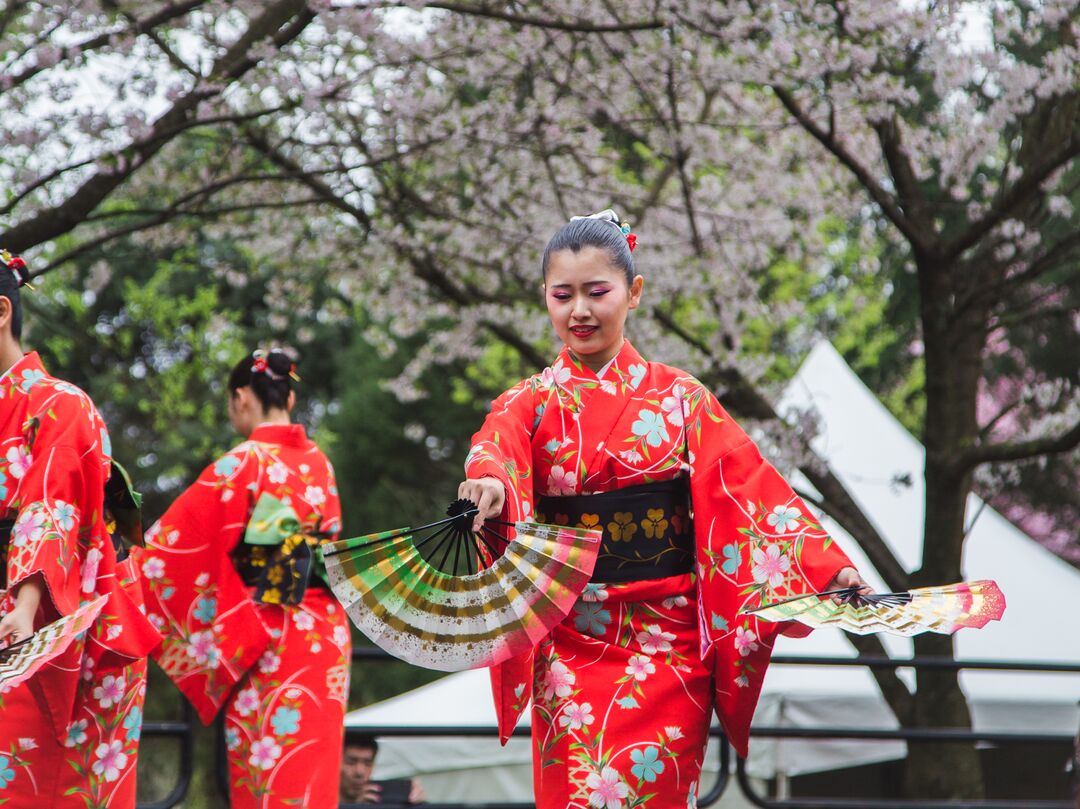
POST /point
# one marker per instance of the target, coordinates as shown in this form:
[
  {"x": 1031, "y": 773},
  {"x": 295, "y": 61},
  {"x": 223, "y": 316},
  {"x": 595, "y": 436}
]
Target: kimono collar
[
  {"x": 30, "y": 362},
  {"x": 289, "y": 435},
  {"x": 627, "y": 357}
]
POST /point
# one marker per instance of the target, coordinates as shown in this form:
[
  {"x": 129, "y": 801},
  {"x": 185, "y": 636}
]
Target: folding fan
[
  {"x": 20, "y": 660},
  {"x": 942, "y": 609},
  {"x": 512, "y": 592}
]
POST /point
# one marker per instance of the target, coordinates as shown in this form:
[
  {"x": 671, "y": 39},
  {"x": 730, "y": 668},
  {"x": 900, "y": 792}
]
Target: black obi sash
[
  {"x": 280, "y": 574},
  {"x": 647, "y": 530}
]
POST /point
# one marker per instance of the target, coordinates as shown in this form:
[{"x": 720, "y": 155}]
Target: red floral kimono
[
  {"x": 69, "y": 735},
  {"x": 623, "y": 689},
  {"x": 282, "y": 671}
]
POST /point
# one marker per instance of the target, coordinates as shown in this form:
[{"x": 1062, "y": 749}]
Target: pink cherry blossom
[
  {"x": 745, "y": 641},
  {"x": 19, "y": 461},
  {"x": 561, "y": 481},
  {"x": 558, "y": 681},
  {"x": 201, "y": 646},
  {"x": 110, "y": 760},
  {"x": 575, "y": 716},
  {"x": 607, "y": 790},
  {"x": 269, "y": 662},
  {"x": 110, "y": 692},
  {"x": 264, "y": 753},
  {"x": 153, "y": 567},
  {"x": 769, "y": 565},
  {"x": 247, "y": 701},
  {"x": 654, "y": 639},
  {"x": 639, "y": 667},
  {"x": 28, "y": 529},
  {"x": 277, "y": 472},
  {"x": 675, "y": 407}
]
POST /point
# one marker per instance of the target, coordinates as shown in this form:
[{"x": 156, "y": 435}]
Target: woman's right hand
[
  {"x": 489, "y": 496},
  {"x": 18, "y": 624}
]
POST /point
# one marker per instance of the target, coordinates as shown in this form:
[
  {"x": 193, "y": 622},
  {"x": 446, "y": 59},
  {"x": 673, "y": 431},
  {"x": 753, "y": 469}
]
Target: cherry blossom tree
[{"x": 429, "y": 149}]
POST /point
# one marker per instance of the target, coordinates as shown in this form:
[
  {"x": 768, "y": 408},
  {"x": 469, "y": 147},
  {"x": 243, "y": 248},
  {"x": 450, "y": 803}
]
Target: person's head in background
[
  {"x": 13, "y": 275},
  {"x": 357, "y": 762},
  {"x": 260, "y": 390}
]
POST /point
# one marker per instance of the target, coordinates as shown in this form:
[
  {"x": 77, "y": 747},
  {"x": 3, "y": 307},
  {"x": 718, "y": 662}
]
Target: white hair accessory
[{"x": 608, "y": 215}]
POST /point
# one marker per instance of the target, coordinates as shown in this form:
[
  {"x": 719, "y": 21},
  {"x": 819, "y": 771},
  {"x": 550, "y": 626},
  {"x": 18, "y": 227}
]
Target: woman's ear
[
  {"x": 636, "y": 286},
  {"x": 290, "y": 403},
  {"x": 6, "y": 310}
]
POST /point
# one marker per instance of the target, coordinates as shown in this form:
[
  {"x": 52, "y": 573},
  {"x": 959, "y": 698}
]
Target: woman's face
[{"x": 587, "y": 300}]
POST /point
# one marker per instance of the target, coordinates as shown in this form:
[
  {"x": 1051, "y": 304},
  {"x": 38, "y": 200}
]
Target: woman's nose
[{"x": 581, "y": 306}]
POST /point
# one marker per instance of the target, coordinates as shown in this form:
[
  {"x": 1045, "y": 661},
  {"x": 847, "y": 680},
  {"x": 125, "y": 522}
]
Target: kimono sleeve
[
  {"x": 61, "y": 474},
  {"x": 502, "y": 449},
  {"x": 330, "y": 524},
  {"x": 756, "y": 541},
  {"x": 193, "y": 593}
]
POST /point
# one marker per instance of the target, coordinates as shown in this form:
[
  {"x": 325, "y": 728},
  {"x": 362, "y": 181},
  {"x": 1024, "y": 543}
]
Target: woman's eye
[
  {"x": 561, "y": 296},
  {"x": 596, "y": 293}
]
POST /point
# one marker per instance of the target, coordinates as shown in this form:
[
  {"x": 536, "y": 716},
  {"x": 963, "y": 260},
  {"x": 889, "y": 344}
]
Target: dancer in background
[
  {"x": 695, "y": 526},
  {"x": 232, "y": 580},
  {"x": 69, "y": 736}
]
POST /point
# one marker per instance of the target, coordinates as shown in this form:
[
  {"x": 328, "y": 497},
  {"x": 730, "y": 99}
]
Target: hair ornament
[
  {"x": 609, "y": 215},
  {"x": 261, "y": 364},
  {"x": 18, "y": 267}
]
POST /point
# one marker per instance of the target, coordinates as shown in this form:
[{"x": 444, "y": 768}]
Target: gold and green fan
[
  {"x": 443, "y": 597},
  {"x": 943, "y": 609}
]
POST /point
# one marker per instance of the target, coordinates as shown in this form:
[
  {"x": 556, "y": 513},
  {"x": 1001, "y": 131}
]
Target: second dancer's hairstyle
[
  {"x": 579, "y": 233},
  {"x": 13, "y": 274},
  {"x": 268, "y": 374}
]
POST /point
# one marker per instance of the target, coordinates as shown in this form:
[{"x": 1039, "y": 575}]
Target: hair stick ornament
[
  {"x": 261, "y": 364},
  {"x": 18, "y": 267}
]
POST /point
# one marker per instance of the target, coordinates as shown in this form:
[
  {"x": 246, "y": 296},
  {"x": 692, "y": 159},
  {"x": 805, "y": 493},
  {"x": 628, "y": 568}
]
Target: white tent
[{"x": 869, "y": 451}]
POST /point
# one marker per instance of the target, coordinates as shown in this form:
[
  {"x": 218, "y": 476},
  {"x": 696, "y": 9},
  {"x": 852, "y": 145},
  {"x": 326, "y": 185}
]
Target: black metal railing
[
  {"x": 184, "y": 731},
  {"x": 907, "y": 734}
]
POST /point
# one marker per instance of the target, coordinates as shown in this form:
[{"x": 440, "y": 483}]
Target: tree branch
[
  {"x": 1016, "y": 195},
  {"x": 281, "y": 22},
  {"x": 167, "y": 14},
  {"x": 1022, "y": 450},
  {"x": 580, "y": 26},
  {"x": 884, "y": 201},
  {"x": 909, "y": 195}
]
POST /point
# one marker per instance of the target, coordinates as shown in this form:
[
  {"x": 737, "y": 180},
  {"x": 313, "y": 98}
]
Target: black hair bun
[{"x": 280, "y": 363}]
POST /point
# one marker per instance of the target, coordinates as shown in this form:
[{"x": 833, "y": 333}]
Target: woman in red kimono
[
  {"x": 696, "y": 525},
  {"x": 231, "y": 580},
  {"x": 69, "y": 735}
]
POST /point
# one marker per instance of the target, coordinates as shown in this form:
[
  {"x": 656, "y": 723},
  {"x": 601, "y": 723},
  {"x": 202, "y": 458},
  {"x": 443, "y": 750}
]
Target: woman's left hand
[{"x": 849, "y": 577}]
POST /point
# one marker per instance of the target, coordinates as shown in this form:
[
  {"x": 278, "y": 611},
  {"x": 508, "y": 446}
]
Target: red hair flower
[
  {"x": 260, "y": 366},
  {"x": 631, "y": 241}
]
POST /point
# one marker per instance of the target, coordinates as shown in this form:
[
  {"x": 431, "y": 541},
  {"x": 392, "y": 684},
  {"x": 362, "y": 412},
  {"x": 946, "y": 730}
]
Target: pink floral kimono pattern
[
  {"x": 280, "y": 671},
  {"x": 69, "y": 736},
  {"x": 623, "y": 689}
]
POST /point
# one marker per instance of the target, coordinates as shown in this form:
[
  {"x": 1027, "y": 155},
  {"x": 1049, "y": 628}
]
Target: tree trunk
[{"x": 953, "y": 355}]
